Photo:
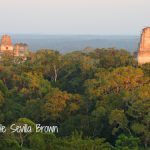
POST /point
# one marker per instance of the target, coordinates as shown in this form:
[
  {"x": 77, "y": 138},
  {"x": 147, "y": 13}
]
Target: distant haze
[
  {"x": 67, "y": 43},
  {"x": 92, "y": 17}
]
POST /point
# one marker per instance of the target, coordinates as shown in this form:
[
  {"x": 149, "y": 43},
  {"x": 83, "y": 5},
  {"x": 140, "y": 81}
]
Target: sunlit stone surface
[
  {"x": 6, "y": 45},
  {"x": 144, "y": 49}
]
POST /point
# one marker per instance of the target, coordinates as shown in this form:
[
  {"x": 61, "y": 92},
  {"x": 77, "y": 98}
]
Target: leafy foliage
[{"x": 99, "y": 100}]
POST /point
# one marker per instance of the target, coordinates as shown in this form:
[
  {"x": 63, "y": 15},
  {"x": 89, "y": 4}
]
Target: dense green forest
[{"x": 100, "y": 100}]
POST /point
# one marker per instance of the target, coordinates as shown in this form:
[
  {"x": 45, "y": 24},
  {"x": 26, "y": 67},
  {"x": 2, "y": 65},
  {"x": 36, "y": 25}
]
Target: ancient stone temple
[
  {"x": 144, "y": 48},
  {"x": 6, "y": 45},
  {"x": 20, "y": 49}
]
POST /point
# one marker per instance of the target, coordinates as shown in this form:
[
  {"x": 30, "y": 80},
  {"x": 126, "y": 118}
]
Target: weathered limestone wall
[
  {"x": 6, "y": 48},
  {"x": 6, "y": 43},
  {"x": 20, "y": 49},
  {"x": 143, "y": 59},
  {"x": 144, "y": 49}
]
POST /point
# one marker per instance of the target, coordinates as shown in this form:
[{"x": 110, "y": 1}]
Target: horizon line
[{"x": 71, "y": 34}]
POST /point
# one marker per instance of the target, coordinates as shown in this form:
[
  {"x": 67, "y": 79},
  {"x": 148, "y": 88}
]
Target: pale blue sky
[{"x": 104, "y": 17}]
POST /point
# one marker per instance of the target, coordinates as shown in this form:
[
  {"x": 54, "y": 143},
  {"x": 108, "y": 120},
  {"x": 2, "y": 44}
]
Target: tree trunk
[{"x": 55, "y": 73}]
